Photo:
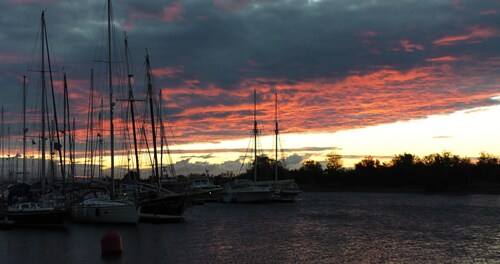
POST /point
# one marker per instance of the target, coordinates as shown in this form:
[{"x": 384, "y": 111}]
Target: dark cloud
[{"x": 337, "y": 64}]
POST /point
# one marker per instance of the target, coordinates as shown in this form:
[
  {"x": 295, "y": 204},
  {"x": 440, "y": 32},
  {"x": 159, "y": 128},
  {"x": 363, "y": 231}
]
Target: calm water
[{"x": 319, "y": 228}]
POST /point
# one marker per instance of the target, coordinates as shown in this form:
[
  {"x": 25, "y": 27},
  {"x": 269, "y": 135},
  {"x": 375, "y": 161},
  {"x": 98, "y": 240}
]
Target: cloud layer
[{"x": 335, "y": 64}]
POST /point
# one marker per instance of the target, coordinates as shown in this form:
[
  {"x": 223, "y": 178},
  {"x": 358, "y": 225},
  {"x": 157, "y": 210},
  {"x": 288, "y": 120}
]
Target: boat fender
[{"x": 111, "y": 244}]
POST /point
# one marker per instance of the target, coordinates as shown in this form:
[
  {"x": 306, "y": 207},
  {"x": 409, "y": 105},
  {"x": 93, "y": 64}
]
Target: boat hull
[
  {"x": 246, "y": 196},
  {"x": 161, "y": 207},
  {"x": 48, "y": 217},
  {"x": 123, "y": 214},
  {"x": 282, "y": 190},
  {"x": 285, "y": 196},
  {"x": 211, "y": 195},
  {"x": 245, "y": 191}
]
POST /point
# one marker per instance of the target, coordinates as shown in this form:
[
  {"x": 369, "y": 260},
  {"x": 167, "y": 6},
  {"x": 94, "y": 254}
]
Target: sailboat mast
[
  {"x": 276, "y": 134},
  {"x": 111, "y": 104},
  {"x": 43, "y": 102},
  {"x": 151, "y": 109},
  {"x": 3, "y": 146},
  {"x": 100, "y": 140},
  {"x": 162, "y": 132},
  {"x": 56, "y": 128},
  {"x": 73, "y": 150},
  {"x": 132, "y": 112},
  {"x": 89, "y": 137},
  {"x": 67, "y": 133},
  {"x": 25, "y": 130},
  {"x": 255, "y": 131},
  {"x": 65, "y": 129}
]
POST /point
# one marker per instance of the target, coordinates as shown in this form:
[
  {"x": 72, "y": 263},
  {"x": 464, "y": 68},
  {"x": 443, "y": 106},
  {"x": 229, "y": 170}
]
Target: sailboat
[
  {"x": 27, "y": 205},
  {"x": 245, "y": 190},
  {"x": 159, "y": 204},
  {"x": 283, "y": 190},
  {"x": 104, "y": 208}
]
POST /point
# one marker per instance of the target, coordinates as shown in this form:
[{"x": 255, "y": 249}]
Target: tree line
[{"x": 436, "y": 172}]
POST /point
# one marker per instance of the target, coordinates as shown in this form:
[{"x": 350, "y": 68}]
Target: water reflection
[{"x": 321, "y": 228}]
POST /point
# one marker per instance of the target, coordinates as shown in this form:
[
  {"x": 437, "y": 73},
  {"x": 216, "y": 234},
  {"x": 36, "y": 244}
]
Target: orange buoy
[{"x": 111, "y": 244}]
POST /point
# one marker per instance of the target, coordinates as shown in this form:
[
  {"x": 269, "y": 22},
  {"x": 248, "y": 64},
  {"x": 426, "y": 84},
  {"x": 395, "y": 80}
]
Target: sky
[{"x": 356, "y": 77}]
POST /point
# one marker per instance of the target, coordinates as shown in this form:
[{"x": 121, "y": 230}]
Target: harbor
[{"x": 249, "y": 131}]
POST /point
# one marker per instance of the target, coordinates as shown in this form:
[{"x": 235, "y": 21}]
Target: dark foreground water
[{"x": 319, "y": 228}]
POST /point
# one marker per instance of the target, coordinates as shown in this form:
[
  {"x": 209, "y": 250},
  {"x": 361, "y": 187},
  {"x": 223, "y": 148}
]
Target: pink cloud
[
  {"x": 410, "y": 47},
  {"x": 361, "y": 99},
  {"x": 367, "y": 33},
  {"x": 169, "y": 72},
  {"x": 128, "y": 26},
  {"x": 231, "y": 5},
  {"x": 171, "y": 13},
  {"x": 457, "y": 4},
  {"x": 22, "y": 1},
  {"x": 445, "y": 59},
  {"x": 12, "y": 58},
  {"x": 488, "y": 12},
  {"x": 475, "y": 34}
]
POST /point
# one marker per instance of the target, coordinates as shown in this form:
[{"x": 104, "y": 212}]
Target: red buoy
[{"x": 111, "y": 244}]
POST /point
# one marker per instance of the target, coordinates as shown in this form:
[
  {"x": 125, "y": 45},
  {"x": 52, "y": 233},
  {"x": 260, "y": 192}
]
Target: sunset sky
[{"x": 356, "y": 77}]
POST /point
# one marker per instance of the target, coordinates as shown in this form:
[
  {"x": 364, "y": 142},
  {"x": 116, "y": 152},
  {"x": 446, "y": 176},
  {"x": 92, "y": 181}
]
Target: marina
[{"x": 124, "y": 125}]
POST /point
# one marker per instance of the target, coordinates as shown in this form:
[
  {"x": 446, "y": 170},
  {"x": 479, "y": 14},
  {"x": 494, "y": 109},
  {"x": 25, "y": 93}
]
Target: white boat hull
[
  {"x": 245, "y": 191},
  {"x": 283, "y": 190},
  {"x": 126, "y": 213}
]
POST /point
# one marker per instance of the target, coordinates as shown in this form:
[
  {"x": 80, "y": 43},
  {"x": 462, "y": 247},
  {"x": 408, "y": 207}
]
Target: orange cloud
[
  {"x": 443, "y": 59},
  {"x": 169, "y": 72},
  {"x": 207, "y": 113},
  {"x": 410, "y": 47},
  {"x": 476, "y": 34}
]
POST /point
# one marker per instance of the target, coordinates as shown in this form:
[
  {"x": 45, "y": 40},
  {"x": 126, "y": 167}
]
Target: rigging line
[
  {"x": 163, "y": 138},
  {"x": 177, "y": 143},
  {"x": 98, "y": 49},
  {"x": 89, "y": 121},
  {"x": 143, "y": 130},
  {"x": 282, "y": 151},
  {"x": 246, "y": 153}
]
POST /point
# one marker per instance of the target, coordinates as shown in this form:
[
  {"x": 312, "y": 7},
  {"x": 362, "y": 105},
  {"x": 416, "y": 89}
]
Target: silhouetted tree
[
  {"x": 334, "y": 161},
  {"x": 265, "y": 169},
  {"x": 367, "y": 164},
  {"x": 310, "y": 172},
  {"x": 405, "y": 170},
  {"x": 405, "y": 160},
  {"x": 334, "y": 167},
  {"x": 488, "y": 167},
  {"x": 446, "y": 170},
  {"x": 435, "y": 172},
  {"x": 367, "y": 171}
]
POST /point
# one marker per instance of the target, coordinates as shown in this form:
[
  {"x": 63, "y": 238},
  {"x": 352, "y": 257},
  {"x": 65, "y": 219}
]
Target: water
[{"x": 319, "y": 228}]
